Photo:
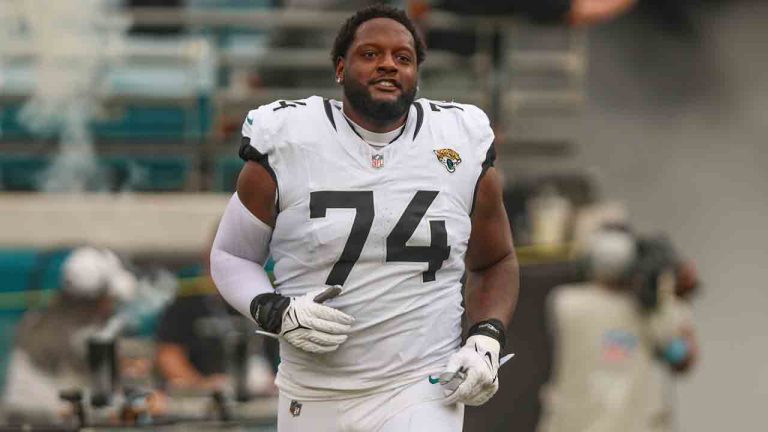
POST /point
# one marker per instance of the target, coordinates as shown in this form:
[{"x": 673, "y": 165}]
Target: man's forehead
[{"x": 378, "y": 30}]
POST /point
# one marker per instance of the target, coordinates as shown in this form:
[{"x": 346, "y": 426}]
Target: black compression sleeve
[{"x": 268, "y": 309}]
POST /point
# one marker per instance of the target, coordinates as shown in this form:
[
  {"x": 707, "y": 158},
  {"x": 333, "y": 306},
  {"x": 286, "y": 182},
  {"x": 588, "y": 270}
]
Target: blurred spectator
[
  {"x": 191, "y": 336},
  {"x": 614, "y": 337},
  {"x": 50, "y": 353},
  {"x": 200, "y": 343},
  {"x": 574, "y": 12},
  {"x": 569, "y": 12},
  {"x": 587, "y": 12},
  {"x": 191, "y": 339}
]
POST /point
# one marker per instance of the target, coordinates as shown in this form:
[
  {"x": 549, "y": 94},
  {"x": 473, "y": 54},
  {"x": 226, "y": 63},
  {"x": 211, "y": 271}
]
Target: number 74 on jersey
[{"x": 397, "y": 250}]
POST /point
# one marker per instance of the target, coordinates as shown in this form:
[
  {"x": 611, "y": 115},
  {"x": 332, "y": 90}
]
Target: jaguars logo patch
[{"x": 449, "y": 158}]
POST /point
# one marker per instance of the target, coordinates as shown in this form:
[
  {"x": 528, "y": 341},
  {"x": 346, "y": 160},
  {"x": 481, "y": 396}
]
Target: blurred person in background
[
  {"x": 493, "y": 35},
  {"x": 616, "y": 336},
  {"x": 191, "y": 339},
  {"x": 572, "y": 12},
  {"x": 373, "y": 208},
  {"x": 50, "y": 354},
  {"x": 195, "y": 339}
]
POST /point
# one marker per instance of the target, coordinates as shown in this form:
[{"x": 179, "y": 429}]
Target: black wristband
[
  {"x": 492, "y": 328},
  {"x": 267, "y": 310}
]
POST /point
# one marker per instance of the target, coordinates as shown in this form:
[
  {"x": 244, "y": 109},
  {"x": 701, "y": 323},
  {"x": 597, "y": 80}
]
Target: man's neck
[
  {"x": 375, "y": 139},
  {"x": 369, "y": 124}
]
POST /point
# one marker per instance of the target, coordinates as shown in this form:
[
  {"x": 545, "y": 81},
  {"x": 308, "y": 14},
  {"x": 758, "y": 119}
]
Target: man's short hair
[{"x": 347, "y": 31}]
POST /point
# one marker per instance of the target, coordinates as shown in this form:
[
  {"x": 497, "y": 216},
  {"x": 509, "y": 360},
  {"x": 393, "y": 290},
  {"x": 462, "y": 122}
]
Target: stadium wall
[{"x": 128, "y": 223}]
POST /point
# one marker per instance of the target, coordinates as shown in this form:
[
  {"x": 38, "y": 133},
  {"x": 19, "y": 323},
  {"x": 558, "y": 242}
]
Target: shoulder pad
[
  {"x": 268, "y": 120},
  {"x": 470, "y": 119},
  {"x": 468, "y": 114}
]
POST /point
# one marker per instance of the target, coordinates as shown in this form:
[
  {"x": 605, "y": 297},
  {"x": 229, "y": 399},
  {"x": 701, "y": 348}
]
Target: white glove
[
  {"x": 478, "y": 362},
  {"x": 314, "y": 327}
]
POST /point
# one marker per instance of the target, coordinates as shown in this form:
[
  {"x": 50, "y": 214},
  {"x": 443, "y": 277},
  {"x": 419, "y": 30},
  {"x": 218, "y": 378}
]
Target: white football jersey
[{"x": 389, "y": 225}]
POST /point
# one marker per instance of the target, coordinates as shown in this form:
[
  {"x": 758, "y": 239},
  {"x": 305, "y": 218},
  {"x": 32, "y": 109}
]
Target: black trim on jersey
[
  {"x": 401, "y": 131},
  {"x": 435, "y": 107},
  {"x": 329, "y": 113},
  {"x": 352, "y": 126},
  {"x": 490, "y": 157},
  {"x": 249, "y": 153},
  {"x": 419, "y": 118}
]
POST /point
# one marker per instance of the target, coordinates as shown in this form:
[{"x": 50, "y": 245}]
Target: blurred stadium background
[{"x": 123, "y": 133}]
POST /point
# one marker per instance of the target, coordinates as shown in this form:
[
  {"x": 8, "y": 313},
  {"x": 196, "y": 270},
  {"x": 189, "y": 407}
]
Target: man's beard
[{"x": 380, "y": 112}]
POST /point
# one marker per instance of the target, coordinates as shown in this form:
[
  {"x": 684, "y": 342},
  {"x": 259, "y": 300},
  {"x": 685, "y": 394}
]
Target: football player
[{"x": 372, "y": 207}]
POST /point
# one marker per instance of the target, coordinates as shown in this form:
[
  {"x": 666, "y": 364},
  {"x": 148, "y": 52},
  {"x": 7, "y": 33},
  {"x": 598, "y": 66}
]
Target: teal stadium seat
[
  {"x": 225, "y": 173},
  {"x": 160, "y": 124},
  {"x": 20, "y": 173},
  {"x": 149, "y": 174},
  {"x": 134, "y": 173}
]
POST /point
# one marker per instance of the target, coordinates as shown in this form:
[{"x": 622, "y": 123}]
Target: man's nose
[{"x": 387, "y": 64}]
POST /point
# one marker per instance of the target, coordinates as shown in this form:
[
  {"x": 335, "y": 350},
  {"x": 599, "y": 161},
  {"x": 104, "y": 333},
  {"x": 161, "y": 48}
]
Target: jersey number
[{"x": 397, "y": 250}]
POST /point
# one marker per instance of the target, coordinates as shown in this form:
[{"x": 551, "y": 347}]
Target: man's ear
[{"x": 340, "y": 70}]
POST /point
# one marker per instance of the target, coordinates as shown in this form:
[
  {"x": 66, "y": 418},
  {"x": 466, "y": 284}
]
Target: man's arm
[
  {"x": 588, "y": 12},
  {"x": 492, "y": 270},
  {"x": 237, "y": 258},
  {"x": 257, "y": 191},
  {"x": 175, "y": 367},
  {"x": 241, "y": 246},
  {"x": 491, "y": 296}
]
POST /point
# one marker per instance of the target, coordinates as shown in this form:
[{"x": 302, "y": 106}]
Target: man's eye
[
  {"x": 369, "y": 54},
  {"x": 404, "y": 59}
]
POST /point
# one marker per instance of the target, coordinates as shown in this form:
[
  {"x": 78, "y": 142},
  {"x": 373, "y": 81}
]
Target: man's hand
[
  {"x": 302, "y": 321},
  {"x": 478, "y": 361},
  {"x": 587, "y": 12},
  {"x": 314, "y": 327}
]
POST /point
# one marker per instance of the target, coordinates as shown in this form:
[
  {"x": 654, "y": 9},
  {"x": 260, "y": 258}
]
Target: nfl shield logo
[
  {"x": 295, "y": 408},
  {"x": 618, "y": 346},
  {"x": 377, "y": 161}
]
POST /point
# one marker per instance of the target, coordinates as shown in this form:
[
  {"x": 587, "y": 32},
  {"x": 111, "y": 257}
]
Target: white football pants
[{"x": 416, "y": 407}]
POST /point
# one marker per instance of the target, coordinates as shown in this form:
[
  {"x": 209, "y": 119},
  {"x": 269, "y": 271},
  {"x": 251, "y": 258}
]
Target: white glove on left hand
[
  {"x": 478, "y": 359},
  {"x": 314, "y": 327}
]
